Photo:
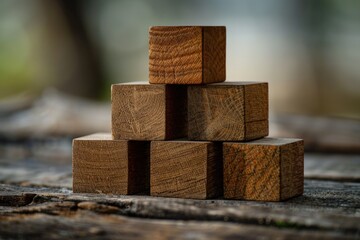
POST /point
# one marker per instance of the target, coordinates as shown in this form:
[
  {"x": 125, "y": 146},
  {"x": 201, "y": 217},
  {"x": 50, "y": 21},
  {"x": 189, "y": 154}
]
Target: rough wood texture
[
  {"x": 16, "y": 200},
  {"x": 141, "y": 111},
  {"x": 187, "y": 55},
  {"x": 264, "y": 170},
  {"x": 103, "y": 165},
  {"x": 85, "y": 224},
  {"x": 335, "y": 167},
  {"x": 326, "y": 210},
  {"x": 231, "y": 111},
  {"x": 185, "y": 169}
]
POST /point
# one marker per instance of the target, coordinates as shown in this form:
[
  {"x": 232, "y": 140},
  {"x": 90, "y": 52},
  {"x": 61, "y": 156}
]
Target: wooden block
[
  {"x": 185, "y": 169},
  {"x": 187, "y": 55},
  {"x": 231, "y": 111},
  {"x": 103, "y": 165},
  {"x": 269, "y": 169},
  {"x": 143, "y": 111}
]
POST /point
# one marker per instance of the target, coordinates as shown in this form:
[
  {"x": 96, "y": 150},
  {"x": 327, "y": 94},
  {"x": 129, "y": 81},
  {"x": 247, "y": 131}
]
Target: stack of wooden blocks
[{"x": 187, "y": 134}]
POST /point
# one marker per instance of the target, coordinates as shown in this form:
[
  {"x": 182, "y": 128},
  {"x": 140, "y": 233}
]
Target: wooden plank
[
  {"x": 89, "y": 225},
  {"x": 141, "y": 111},
  {"x": 327, "y": 198},
  {"x": 267, "y": 169},
  {"x": 335, "y": 167},
  {"x": 187, "y": 54},
  {"x": 104, "y": 165},
  {"x": 185, "y": 169},
  {"x": 231, "y": 111},
  {"x": 326, "y": 209},
  {"x": 85, "y": 224}
]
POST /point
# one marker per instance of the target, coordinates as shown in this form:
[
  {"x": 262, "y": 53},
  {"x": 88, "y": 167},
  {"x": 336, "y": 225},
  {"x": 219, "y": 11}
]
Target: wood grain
[
  {"x": 326, "y": 209},
  {"x": 85, "y": 224},
  {"x": 142, "y": 111},
  {"x": 264, "y": 170},
  {"x": 185, "y": 169},
  {"x": 103, "y": 165},
  {"x": 292, "y": 169},
  {"x": 187, "y": 54},
  {"x": 231, "y": 111}
]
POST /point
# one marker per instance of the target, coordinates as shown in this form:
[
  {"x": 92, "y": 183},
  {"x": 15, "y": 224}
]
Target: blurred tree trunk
[{"x": 67, "y": 53}]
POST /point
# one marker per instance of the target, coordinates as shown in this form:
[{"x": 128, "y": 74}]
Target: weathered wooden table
[{"x": 36, "y": 202}]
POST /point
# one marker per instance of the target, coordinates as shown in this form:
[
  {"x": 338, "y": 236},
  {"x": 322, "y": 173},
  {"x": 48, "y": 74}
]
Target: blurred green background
[{"x": 309, "y": 51}]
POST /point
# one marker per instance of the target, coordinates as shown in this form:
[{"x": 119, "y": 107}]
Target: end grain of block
[
  {"x": 187, "y": 54},
  {"x": 269, "y": 169},
  {"x": 143, "y": 111},
  {"x": 230, "y": 111},
  {"x": 184, "y": 169},
  {"x": 104, "y": 165}
]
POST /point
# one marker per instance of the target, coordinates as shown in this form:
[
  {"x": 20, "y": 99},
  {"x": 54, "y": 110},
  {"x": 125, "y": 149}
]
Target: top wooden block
[{"x": 187, "y": 54}]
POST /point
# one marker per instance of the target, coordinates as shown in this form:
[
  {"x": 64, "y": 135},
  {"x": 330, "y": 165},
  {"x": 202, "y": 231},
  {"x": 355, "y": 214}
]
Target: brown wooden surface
[
  {"x": 142, "y": 111},
  {"x": 187, "y": 55},
  {"x": 103, "y": 165},
  {"x": 264, "y": 170},
  {"x": 230, "y": 111},
  {"x": 185, "y": 169},
  {"x": 84, "y": 224},
  {"x": 314, "y": 215},
  {"x": 291, "y": 169}
]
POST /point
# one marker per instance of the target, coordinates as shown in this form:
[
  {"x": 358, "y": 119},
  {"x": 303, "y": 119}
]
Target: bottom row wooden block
[
  {"x": 185, "y": 169},
  {"x": 265, "y": 170},
  {"x": 103, "y": 165}
]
